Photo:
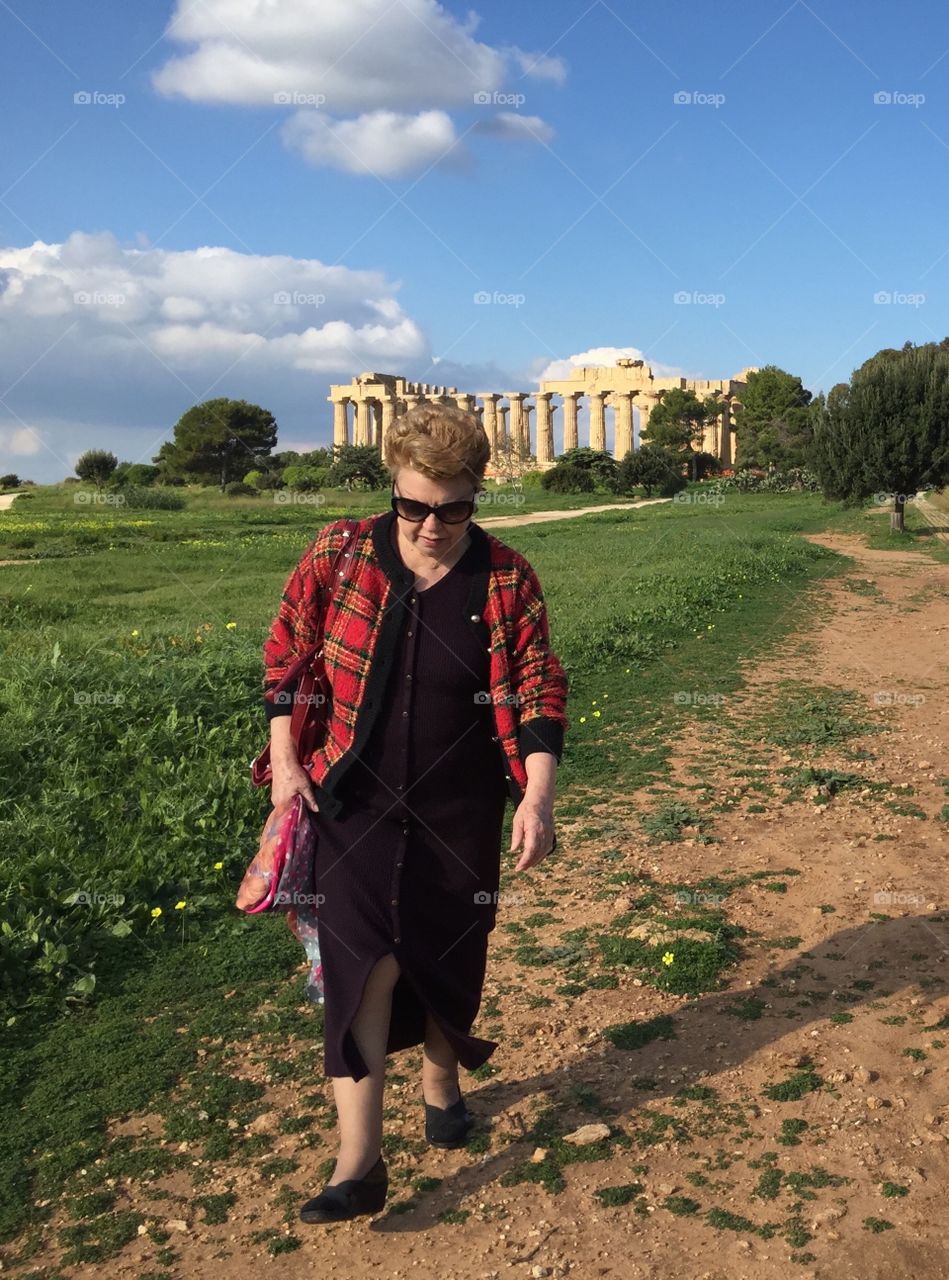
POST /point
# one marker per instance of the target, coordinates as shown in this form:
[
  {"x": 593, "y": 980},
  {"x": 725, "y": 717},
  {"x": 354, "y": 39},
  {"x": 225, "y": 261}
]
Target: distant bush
[
  {"x": 136, "y": 498},
  {"x": 565, "y": 478},
  {"x": 532, "y": 480},
  {"x": 305, "y": 479},
  {"x": 748, "y": 481},
  {"x": 238, "y": 489},
  {"x": 137, "y": 473}
]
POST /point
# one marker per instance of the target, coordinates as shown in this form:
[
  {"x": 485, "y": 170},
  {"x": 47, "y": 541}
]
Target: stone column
[
  {"x": 465, "y": 402},
  {"x": 597, "y": 420},
  {"x": 645, "y": 406},
  {"x": 412, "y": 400},
  {"x": 490, "y": 418},
  {"x": 516, "y": 401},
  {"x": 727, "y": 441},
  {"x": 341, "y": 421},
  {"x": 545, "y": 427},
  {"x": 622, "y": 403},
  {"x": 363, "y": 430},
  {"x": 503, "y": 432},
  {"x": 376, "y": 423},
  {"x": 388, "y": 414},
  {"x": 570, "y": 432},
  {"x": 526, "y": 411}
]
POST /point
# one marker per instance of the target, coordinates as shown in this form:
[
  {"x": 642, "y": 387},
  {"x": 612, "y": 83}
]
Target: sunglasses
[{"x": 447, "y": 512}]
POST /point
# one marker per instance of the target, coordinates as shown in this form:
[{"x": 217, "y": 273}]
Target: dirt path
[
  {"x": 843, "y": 973},
  {"x": 7, "y": 500},
  {"x": 538, "y": 517}
]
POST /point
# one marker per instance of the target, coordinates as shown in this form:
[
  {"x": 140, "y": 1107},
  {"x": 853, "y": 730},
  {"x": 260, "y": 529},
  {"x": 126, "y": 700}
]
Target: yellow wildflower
[
  {"x": 156, "y": 912},
  {"x": 218, "y": 866},
  {"x": 668, "y": 958},
  {"x": 179, "y": 906}
]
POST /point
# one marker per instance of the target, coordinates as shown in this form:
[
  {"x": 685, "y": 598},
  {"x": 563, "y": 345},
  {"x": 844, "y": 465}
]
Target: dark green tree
[
  {"x": 601, "y": 465},
  {"x": 887, "y": 431},
  {"x": 677, "y": 423},
  {"x": 357, "y": 466},
  {"x": 219, "y": 441},
  {"x": 650, "y": 468},
  {"x": 96, "y": 466},
  {"x": 773, "y": 421}
]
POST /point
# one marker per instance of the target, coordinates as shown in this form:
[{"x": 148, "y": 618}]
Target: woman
[{"x": 446, "y": 700}]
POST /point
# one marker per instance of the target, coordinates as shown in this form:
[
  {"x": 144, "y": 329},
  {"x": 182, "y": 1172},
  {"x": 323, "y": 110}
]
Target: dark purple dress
[{"x": 412, "y": 863}]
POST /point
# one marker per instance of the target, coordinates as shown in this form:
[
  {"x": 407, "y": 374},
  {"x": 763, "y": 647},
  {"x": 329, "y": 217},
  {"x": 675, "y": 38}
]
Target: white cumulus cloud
[
  {"x": 126, "y": 339},
  {"x": 385, "y": 143},
  {"x": 375, "y": 78},
  {"x": 605, "y": 357},
  {"x": 517, "y": 128}
]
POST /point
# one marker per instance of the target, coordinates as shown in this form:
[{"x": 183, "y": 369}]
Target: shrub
[
  {"x": 137, "y": 498},
  {"x": 565, "y": 478},
  {"x": 237, "y": 489}
]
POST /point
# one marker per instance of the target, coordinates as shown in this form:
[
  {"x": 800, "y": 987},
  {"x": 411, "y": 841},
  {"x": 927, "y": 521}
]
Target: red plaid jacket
[{"x": 362, "y": 625}]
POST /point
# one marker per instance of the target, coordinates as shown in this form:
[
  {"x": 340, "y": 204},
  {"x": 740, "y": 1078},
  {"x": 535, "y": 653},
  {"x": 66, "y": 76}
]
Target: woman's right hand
[{"x": 289, "y": 778}]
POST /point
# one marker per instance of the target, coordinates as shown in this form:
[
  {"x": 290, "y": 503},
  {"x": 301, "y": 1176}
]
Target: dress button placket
[{"x": 406, "y": 718}]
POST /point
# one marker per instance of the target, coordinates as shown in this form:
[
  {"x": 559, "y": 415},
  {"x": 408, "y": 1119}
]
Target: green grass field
[{"x": 131, "y": 711}]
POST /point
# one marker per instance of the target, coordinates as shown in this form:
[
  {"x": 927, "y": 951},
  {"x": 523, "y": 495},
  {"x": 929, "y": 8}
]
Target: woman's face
[{"x": 431, "y": 536}]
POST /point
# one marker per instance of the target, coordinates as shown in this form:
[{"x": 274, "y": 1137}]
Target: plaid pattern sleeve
[
  {"x": 538, "y": 680},
  {"x": 293, "y": 630}
]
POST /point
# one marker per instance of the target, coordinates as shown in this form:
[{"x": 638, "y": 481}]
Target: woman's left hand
[{"x": 534, "y": 825}]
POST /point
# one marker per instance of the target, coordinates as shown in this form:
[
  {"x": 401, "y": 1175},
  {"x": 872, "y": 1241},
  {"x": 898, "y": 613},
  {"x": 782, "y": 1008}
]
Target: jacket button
[
  {"x": 508, "y": 777},
  {"x": 495, "y": 738},
  {"x": 474, "y": 617}
]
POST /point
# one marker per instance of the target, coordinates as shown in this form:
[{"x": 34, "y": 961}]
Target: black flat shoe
[
  {"x": 349, "y": 1199},
  {"x": 448, "y": 1126}
]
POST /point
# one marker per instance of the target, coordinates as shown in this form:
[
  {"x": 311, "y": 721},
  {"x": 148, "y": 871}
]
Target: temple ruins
[{"x": 364, "y": 408}]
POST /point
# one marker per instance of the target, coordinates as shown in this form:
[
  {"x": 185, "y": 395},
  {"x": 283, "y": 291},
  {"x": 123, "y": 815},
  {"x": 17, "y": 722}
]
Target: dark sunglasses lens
[
  {"x": 455, "y": 512},
  {"x": 450, "y": 513},
  {"x": 410, "y": 509}
]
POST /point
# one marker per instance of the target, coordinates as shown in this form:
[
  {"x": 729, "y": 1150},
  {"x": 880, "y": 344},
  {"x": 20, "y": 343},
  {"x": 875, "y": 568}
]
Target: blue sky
[{"x": 387, "y": 160}]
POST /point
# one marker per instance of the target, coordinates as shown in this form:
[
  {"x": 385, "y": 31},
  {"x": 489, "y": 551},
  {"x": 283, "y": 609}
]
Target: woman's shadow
[{"x": 711, "y": 1033}]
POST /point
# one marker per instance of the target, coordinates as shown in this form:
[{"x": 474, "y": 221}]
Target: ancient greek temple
[{"x": 525, "y": 420}]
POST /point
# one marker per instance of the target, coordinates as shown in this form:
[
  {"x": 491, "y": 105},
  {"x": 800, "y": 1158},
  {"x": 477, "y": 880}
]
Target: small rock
[
  {"x": 540, "y": 1154},
  {"x": 176, "y": 1224},
  {"x": 863, "y": 1075},
  {"x": 586, "y": 1134}
]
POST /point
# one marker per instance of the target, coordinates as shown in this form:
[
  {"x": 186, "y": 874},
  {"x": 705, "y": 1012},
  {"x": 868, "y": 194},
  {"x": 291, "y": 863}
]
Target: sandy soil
[{"x": 883, "y": 633}]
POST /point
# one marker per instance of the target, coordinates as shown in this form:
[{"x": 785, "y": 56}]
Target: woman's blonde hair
[{"x": 440, "y": 441}]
